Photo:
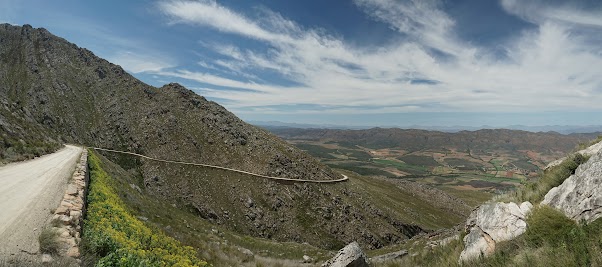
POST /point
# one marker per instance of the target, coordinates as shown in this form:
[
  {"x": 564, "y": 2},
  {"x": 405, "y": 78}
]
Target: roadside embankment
[{"x": 67, "y": 219}]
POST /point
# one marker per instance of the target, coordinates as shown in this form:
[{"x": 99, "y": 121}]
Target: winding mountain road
[
  {"x": 29, "y": 191},
  {"x": 344, "y": 179}
]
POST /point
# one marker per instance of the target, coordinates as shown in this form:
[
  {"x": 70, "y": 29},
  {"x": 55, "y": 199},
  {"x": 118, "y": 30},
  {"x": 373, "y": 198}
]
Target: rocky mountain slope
[
  {"x": 52, "y": 91},
  {"x": 78, "y": 97}
]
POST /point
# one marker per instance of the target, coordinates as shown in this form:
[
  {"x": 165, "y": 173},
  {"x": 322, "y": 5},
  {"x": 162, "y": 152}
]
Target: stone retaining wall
[{"x": 68, "y": 217}]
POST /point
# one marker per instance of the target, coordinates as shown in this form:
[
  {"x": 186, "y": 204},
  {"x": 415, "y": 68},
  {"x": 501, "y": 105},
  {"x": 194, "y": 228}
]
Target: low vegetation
[
  {"x": 13, "y": 149},
  {"x": 49, "y": 241},
  {"x": 117, "y": 238},
  {"x": 585, "y": 145},
  {"x": 534, "y": 192},
  {"x": 215, "y": 243}
]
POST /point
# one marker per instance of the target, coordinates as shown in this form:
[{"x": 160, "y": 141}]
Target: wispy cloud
[
  {"x": 140, "y": 62},
  {"x": 538, "y": 12},
  {"x": 210, "y": 13},
  {"x": 551, "y": 68}
]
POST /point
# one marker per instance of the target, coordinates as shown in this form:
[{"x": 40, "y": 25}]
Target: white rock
[
  {"x": 349, "y": 256},
  {"x": 526, "y": 207},
  {"x": 46, "y": 258},
  {"x": 477, "y": 244},
  {"x": 307, "y": 259},
  {"x": 491, "y": 223},
  {"x": 579, "y": 197}
]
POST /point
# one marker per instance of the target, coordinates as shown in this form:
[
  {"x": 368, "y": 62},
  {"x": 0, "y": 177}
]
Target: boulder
[
  {"x": 247, "y": 255},
  {"x": 307, "y": 259},
  {"x": 477, "y": 243},
  {"x": 491, "y": 223},
  {"x": 579, "y": 197},
  {"x": 62, "y": 210},
  {"x": 46, "y": 258},
  {"x": 72, "y": 190},
  {"x": 349, "y": 256},
  {"x": 64, "y": 219},
  {"x": 76, "y": 214},
  {"x": 73, "y": 252}
]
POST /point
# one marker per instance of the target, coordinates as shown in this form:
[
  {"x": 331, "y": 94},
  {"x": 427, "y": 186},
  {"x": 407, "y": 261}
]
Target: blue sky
[{"x": 360, "y": 62}]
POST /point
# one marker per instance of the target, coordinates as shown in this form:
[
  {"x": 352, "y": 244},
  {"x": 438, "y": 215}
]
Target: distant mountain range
[
  {"x": 562, "y": 129},
  {"x": 480, "y": 141}
]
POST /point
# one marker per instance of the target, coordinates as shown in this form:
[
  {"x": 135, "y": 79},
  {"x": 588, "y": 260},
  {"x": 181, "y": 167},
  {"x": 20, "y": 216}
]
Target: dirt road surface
[{"x": 29, "y": 191}]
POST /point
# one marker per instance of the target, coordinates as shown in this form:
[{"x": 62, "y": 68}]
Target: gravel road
[{"x": 29, "y": 191}]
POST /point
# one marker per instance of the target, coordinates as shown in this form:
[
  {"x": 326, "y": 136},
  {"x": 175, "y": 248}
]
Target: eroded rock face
[
  {"x": 349, "y": 256},
  {"x": 580, "y": 195},
  {"x": 491, "y": 223},
  {"x": 477, "y": 243}
]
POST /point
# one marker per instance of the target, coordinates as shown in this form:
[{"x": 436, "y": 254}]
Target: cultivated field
[{"x": 471, "y": 175}]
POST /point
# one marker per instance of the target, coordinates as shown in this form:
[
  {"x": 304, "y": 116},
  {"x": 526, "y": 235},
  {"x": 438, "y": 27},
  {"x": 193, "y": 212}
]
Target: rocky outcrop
[
  {"x": 491, "y": 223},
  {"x": 349, "y": 256},
  {"x": 68, "y": 216},
  {"x": 580, "y": 195},
  {"x": 588, "y": 152}
]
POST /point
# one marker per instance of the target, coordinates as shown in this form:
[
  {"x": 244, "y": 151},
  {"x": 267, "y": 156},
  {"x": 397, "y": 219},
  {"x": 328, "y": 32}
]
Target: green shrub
[
  {"x": 117, "y": 238},
  {"x": 548, "y": 226}
]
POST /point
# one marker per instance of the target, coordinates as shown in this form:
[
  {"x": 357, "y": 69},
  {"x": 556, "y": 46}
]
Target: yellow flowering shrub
[{"x": 118, "y": 238}]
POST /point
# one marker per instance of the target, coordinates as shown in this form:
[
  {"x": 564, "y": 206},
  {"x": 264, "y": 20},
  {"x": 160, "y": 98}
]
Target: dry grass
[
  {"x": 550, "y": 178},
  {"x": 49, "y": 241}
]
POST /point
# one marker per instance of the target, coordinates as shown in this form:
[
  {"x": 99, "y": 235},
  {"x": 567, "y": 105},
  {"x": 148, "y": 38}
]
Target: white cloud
[
  {"x": 551, "y": 68},
  {"x": 138, "y": 63},
  {"x": 541, "y": 11},
  {"x": 209, "y": 13}
]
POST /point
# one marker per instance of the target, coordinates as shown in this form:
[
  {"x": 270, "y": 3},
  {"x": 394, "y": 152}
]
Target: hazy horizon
[{"x": 442, "y": 120}]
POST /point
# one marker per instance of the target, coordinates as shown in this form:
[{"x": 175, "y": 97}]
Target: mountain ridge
[
  {"x": 416, "y": 139},
  {"x": 72, "y": 96},
  {"x": 562, "y": 129}
]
